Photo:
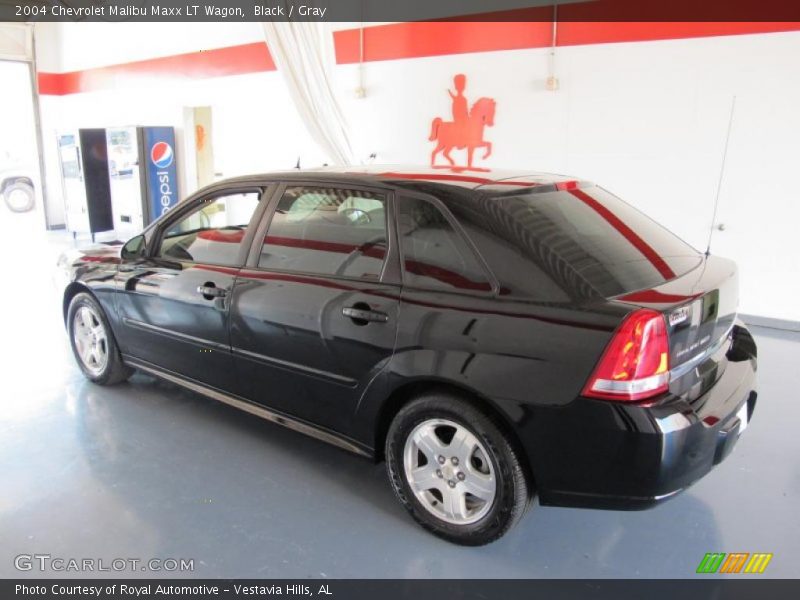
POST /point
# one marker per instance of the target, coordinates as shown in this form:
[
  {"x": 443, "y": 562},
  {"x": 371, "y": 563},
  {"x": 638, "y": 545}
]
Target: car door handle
[
  {"x": 362, "y": 314},
  {"x": 209, "y": 291}
]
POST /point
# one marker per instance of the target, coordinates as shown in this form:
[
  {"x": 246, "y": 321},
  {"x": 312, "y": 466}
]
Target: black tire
[
  {"x": 113, "y": 370},
  {"x": 22, "y": 194},
  {"x": 513, "y": 492}
]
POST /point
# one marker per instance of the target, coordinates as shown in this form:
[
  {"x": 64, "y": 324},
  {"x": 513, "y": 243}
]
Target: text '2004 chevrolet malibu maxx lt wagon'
[{"x": 492, "y": 338}]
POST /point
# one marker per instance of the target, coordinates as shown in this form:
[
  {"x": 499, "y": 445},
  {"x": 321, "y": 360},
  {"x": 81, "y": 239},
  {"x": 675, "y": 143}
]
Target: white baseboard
[{"x": 770, "y": 322}]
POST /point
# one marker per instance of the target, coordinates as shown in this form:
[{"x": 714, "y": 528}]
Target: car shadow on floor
[
  {"x": 167, "y": 420},
  {"x": 254, "y": 499}
]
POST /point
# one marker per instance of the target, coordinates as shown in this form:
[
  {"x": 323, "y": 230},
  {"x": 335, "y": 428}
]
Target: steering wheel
[
  {"x": 379, "y": 240},
  {"x": 356, "y": 215}
]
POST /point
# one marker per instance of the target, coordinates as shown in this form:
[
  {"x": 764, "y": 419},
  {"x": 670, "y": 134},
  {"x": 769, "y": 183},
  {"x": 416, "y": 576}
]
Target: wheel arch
[
  {"x": 407, "y": 392},
  {"x": 72, "y": 290}
]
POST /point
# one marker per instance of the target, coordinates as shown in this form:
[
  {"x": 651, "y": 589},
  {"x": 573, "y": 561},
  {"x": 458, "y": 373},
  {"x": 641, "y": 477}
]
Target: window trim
[
  {"x": 194, "y": 204},
  {"x": 389, "y": 273},
  {"x": 459, "y": 231}
]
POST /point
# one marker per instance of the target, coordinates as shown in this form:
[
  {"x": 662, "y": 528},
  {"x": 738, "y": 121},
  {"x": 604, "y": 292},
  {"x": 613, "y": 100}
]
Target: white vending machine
[{"x": 85, "y": 181}]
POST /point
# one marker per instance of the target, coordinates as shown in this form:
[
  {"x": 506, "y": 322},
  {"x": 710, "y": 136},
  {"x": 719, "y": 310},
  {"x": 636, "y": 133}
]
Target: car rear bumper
[{"x": 620, "y": 456}]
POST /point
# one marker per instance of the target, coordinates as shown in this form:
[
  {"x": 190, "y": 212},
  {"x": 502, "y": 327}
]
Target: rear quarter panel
[{"x": 514, "y": 355}]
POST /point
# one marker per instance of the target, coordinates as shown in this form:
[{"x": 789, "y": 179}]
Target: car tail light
[{"x": 635, "y": 365}]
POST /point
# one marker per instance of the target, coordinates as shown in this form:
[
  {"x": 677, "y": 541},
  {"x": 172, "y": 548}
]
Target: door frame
[{"x": 30, "y": 61}]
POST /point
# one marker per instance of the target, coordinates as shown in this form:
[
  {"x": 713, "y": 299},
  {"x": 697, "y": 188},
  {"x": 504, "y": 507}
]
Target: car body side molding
[
  {"x": 202, "y": 342},
  {"x": 252, "y": 408}
]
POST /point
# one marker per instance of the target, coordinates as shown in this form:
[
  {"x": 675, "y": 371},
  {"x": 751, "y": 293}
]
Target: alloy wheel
[
  {"x": 449, "y": 471},
  {"x": 91, "y": 340}
]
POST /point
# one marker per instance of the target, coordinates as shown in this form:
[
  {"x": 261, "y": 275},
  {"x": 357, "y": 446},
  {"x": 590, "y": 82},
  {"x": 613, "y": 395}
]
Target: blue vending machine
[{"x": 143, "y": 176}]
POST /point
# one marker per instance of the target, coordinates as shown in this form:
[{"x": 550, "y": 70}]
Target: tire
[
  {"x": 93, "y": 343},
  {"x": 421, "y": 429},
  {"x": 19, "y": 197}
]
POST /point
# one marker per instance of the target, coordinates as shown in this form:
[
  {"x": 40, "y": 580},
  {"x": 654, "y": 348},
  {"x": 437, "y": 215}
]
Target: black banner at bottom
[{"x": 391, "y": 589}]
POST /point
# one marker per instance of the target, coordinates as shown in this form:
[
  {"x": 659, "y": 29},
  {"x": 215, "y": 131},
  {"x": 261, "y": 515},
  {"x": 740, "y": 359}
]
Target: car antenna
[
  {"x": 721, "y": 176},
  {"x": 297, "y": 166}
]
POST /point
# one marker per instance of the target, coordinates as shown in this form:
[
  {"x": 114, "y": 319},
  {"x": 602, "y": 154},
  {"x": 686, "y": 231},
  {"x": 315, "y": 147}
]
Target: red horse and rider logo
[{"x": 466, "y": 128}]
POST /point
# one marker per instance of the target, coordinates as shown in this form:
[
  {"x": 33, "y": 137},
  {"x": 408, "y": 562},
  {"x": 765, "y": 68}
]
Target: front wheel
[
  {"x": 455, "y": 471},
  {"x": 93, "y": 342}
]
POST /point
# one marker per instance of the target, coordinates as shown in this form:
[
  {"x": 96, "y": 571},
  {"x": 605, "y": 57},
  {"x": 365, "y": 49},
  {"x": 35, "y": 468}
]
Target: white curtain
[{"x": 304, "y": 55}]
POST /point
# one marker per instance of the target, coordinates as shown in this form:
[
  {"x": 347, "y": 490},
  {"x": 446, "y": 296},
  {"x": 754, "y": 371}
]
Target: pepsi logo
[{"x": 162, "y": 155}]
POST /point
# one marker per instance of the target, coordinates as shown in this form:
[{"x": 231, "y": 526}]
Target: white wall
[
  {"x": 255, "y": 125},
  {"x": 646, "y": 120},
  {"x": 88, "y": 45}
]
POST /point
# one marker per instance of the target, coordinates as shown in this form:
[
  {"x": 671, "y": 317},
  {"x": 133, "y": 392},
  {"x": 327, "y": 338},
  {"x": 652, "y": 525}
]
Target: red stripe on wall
[
  {"x": 50, "y": 83},
  {"x": 398, "y": 41},
  {"x": 582, "y": 33},
  {"x": 415, "y": 40},
  {"x": 217, "y": 62}
]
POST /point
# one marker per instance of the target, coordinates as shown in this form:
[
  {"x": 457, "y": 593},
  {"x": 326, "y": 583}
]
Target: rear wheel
[
  {"x": 93, "y": 342},
  {"x": 455, "y": 471}
]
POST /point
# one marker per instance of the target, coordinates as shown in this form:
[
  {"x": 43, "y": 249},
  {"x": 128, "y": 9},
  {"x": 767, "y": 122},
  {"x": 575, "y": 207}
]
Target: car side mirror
[{"x": 134, "y": 248}]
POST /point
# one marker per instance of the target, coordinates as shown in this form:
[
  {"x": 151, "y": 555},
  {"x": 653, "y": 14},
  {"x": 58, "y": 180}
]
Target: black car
[{"x": 491, "y": 337}]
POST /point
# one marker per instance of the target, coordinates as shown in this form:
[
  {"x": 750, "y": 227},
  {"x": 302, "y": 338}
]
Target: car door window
[
  {"x": 435, "y": 255},
  {"x": 213, "y": 232},
  {"x": 327, "y": 231}
]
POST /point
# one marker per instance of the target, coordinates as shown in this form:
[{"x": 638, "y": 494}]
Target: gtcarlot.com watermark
[{"x": 56, "y": 564}]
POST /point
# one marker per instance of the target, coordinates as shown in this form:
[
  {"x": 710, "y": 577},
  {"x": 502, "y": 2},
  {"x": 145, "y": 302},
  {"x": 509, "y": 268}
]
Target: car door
[
  {"x": 314, "y": 313},
  {"x": 173, "y": 303}
]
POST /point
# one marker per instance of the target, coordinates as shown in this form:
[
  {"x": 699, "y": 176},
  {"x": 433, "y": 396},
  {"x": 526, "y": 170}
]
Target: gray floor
[{"x": 148, "y": 470}]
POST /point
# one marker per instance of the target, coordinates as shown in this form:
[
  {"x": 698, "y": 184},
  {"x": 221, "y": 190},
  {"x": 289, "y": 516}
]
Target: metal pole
[{"x": 38, "y": 126}]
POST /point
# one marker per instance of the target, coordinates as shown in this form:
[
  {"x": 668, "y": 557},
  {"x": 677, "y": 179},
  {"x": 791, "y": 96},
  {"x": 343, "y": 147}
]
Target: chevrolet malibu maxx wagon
[{"x": 492, "y": 337}]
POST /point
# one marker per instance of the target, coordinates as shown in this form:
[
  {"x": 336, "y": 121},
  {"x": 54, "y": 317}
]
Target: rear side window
[
  {"x": 435, "y": 255},
  {"x": 327, "y": 231}
]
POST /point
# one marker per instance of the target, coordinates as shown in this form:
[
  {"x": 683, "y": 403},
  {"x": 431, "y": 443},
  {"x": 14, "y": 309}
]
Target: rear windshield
[{"x": 573, "y": 244}]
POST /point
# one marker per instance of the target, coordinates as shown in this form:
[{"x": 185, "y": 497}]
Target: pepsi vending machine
[{"x": 143, "y": 176}]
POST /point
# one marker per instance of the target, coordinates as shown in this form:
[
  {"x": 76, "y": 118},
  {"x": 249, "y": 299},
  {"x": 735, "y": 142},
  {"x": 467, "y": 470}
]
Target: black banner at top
[{"x": 399, "y": 10}]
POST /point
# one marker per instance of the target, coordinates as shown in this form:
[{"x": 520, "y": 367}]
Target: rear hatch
[
  {"x": 699, "y": 308},
  {"x": 584, "y": 246}
]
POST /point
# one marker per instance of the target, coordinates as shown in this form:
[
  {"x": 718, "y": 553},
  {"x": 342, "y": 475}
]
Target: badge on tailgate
[{"x": 676, "y": 317}]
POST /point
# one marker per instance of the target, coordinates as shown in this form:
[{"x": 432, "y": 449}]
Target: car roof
[{"x": 413, "y": 176}]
